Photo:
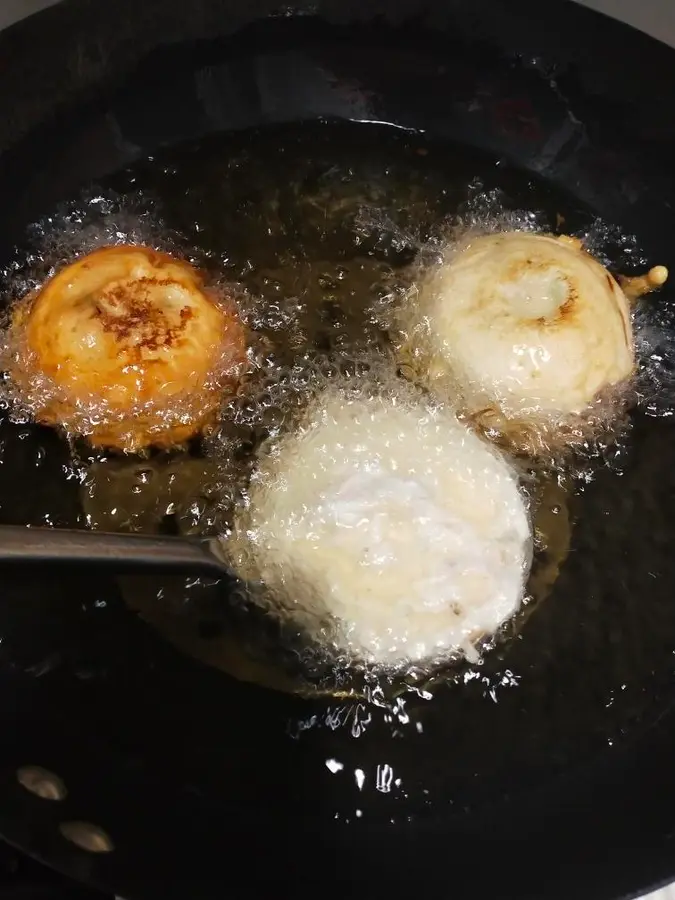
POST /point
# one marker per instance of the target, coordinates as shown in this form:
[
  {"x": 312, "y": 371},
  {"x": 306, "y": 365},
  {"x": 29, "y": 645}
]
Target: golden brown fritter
[{"x": 127, "y": 347}]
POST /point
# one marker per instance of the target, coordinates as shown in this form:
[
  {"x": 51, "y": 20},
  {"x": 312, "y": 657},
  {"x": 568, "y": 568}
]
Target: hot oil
[{"x": 321, "y": 228}]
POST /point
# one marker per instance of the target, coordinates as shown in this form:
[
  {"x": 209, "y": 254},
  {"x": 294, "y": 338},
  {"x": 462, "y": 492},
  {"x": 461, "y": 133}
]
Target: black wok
[{"x": 197, "y": 785}]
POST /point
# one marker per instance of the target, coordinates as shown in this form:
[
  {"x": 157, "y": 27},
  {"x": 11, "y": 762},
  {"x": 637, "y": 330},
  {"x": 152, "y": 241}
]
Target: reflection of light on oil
[
  {"x": 356, "y": 717},
  {"x": 492, "y": 684},
  {"x": 384, "y": 778},
  {"x": 407, "y": 128},
  {"x": 362, "y": 718},
  {"x": 334, "y": 766},
  {"x": 612, "y": 696},
  {"x": 360, "y": 777},
  {"x": 398, "y": 712}
]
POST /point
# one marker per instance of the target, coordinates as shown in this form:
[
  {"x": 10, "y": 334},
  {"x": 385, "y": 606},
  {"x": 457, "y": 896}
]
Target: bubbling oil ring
[
  {"x": 528, "y": 333},
  {"x": 125, "y": 346},
  {"x": 234, "y": 646}
]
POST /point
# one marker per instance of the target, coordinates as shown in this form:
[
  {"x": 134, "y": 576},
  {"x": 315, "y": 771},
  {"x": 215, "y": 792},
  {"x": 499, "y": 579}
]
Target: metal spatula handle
[{"x": 25, "y": 546}]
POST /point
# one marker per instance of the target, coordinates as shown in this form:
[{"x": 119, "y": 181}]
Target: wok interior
[
  {"x": 571, "y": 674},
  {"x": 591, "y": 662}
]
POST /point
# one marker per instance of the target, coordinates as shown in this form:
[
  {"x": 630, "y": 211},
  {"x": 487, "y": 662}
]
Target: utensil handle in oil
[{"x": 121, "y": 552}]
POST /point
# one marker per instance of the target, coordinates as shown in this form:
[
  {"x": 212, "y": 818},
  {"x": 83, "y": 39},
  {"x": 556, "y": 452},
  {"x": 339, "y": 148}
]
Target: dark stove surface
[{"x": 21, "y": 878}]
